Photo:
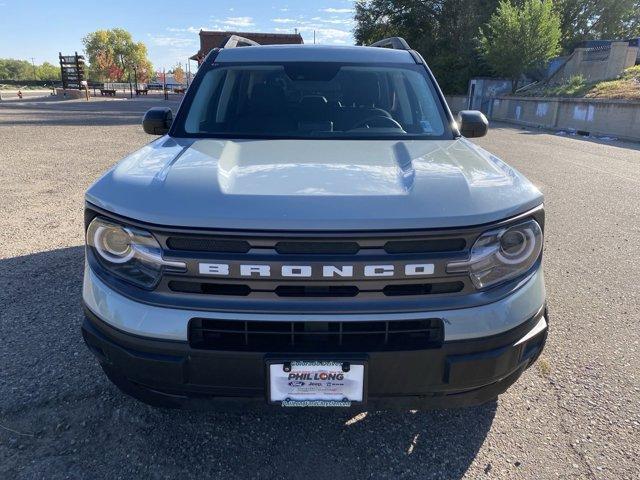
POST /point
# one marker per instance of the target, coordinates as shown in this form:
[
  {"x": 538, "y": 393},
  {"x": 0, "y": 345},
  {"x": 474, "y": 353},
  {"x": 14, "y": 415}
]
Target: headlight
[
  {"x": 501, "y": 255},
  {"x": 130, "y": 253}
]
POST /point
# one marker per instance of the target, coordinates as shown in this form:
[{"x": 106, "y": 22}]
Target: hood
[{"x": 313, "y": 185}]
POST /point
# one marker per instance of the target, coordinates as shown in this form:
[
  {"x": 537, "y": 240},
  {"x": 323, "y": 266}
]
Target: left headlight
[
  {"x": 130, "y": 253},
  {"x": 501, "y": 255}
]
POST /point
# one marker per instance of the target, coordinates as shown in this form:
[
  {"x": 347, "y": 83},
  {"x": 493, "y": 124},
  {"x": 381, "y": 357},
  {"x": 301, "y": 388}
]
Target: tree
[
  {"x": 597, "y": 19},
  {"x": 144, "y": 72},
  {"x": 47, "y": 71},
  {"x": 160, "y": 77},
  {"x": 178, "y": 74},
  {"x": 11, "y": 69},
  {"x": 443, "y": 31},
  {"x": 520, "y": 38},
  {"x": 113, "y": 55}
]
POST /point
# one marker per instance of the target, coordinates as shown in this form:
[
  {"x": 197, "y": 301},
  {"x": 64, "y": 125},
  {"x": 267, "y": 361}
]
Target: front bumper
[{"x": 459, "y": 373}]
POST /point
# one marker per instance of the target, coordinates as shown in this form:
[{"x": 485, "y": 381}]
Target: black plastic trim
[{"x": 469, "y": 371}]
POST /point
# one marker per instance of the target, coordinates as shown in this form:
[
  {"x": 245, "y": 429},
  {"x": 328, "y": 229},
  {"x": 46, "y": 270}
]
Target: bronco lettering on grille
[{"x": 308, "y": 271}]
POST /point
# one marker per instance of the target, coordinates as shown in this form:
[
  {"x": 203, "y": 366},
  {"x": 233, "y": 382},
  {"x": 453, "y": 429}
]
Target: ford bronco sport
[{"x": 314, "y": 229}]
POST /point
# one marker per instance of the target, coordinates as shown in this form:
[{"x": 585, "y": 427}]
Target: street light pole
[{"x": 164, "y": 84}]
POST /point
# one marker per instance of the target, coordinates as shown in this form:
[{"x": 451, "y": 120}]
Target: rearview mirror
[
  {"x": 472, "y": 123},
  {"x": 157, "y": 120}
]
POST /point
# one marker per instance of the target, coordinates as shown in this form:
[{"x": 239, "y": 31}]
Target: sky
[{"x": 39, "y": 29}]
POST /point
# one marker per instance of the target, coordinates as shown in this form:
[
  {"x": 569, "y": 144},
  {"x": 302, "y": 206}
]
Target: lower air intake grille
[{"x": 255, "y": 336}]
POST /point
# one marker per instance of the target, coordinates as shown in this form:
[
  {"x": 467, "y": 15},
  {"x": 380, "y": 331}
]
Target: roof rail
[
  {"x": 233, "y": 41},
  {"x": 397, "y": 43}
]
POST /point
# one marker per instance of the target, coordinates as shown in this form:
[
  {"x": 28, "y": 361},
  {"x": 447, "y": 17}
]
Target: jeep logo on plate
[{"x": 315, "y": 271}]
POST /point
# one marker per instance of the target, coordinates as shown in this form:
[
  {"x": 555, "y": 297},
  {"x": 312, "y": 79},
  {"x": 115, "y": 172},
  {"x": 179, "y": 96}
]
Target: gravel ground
[{"x": 575, "y": 414}]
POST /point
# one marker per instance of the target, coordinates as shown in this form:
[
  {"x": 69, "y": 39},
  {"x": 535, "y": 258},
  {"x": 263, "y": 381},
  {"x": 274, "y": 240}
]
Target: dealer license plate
[{"x": 316, "y": 383}]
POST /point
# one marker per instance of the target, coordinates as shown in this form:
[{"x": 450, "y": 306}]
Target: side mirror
[
  {"x": 157, "y": 120},
  {"x": 472, "y": 123}
]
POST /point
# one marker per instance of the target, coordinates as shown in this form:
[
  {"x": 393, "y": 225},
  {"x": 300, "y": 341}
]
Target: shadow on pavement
[{"x": 61, "y": 418}]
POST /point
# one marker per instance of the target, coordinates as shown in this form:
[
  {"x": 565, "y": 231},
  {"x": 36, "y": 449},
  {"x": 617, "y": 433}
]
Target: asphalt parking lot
[{"x": 575, "y": 414}]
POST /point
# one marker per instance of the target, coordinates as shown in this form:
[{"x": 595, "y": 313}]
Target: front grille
[
  {"x": 315, "y": 291},
  {"x": 311, "y": 247},
  {"x": 316, "y": 248},
  {"x": 205, "y": 244},
  {"x": 423, "y": 289},
  {"x": 210, "y": 288},
  {"x": 317, "y": 337},
  {"x": 224, "y": 270},
  {"x": 426, "y": 246}
]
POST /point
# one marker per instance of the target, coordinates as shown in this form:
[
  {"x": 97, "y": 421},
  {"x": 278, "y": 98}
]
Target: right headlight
[
  {"x": 128, "y": 252},
  {"x": 502, "y": 254}
]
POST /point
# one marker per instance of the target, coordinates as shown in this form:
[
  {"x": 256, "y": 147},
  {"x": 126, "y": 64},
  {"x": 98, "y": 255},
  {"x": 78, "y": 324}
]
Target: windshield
[{"x": 314, "y": 100}]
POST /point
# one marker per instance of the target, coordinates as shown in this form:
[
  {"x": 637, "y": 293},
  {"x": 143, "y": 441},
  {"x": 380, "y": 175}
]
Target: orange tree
[
  {"x": 178, "y": 74},
  {"x": 113, "y": 55}
]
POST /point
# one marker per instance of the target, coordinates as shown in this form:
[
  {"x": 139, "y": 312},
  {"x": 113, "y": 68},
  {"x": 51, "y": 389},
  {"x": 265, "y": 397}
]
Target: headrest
[
  {"x": 267, "y": 98},
  {"x": 362, "y": 89}
]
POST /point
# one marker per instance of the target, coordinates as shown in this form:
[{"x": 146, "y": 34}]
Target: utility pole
[
  {"x": 164, "y": 84},
  {"x": 35, "y": 77}
]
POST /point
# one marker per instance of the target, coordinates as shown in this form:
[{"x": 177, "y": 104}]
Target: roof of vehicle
[{"x": 313, "y": 53}]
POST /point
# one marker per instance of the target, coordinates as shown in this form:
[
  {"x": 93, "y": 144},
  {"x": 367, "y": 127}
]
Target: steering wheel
[{"x": 380, "y": 121}]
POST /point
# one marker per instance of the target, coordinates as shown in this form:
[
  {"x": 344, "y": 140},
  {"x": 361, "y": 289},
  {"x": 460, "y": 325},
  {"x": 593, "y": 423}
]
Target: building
[{"x": 213, "y": 39}]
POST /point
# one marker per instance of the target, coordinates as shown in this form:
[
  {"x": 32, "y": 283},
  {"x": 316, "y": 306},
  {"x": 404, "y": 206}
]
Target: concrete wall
[
  {"x": 456, "y": 102},
  {"x": 616, "y": 118},
  {"x": 632, "y": 56},
  {"x": 69, "y": 93},
  {"x": 597, "y": 63}
]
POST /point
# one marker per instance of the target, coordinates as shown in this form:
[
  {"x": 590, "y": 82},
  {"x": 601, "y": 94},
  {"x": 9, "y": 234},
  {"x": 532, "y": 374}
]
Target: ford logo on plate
[{"x": 296, "y": 383}]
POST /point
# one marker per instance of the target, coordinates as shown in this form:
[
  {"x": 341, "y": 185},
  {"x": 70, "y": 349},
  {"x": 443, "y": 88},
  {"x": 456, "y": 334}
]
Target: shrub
[
  {"x": 575, "y": 87},
  {"x": 627, "y": 86}
]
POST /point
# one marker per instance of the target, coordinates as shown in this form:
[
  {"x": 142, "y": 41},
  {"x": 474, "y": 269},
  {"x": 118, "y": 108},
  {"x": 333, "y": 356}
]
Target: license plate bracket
[{"x": 316, "y": 383}]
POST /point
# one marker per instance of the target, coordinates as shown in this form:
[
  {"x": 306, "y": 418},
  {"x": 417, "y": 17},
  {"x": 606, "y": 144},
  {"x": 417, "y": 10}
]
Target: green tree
[
  {"x": 520, "y": 38},
  {"x": 11, "y": 69},
  {"x": 47, "y": 71},
  {"x": 597, "y": 19},
  {"x": 443, "y": 31},
  {"x": 113, "y": 55}
]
